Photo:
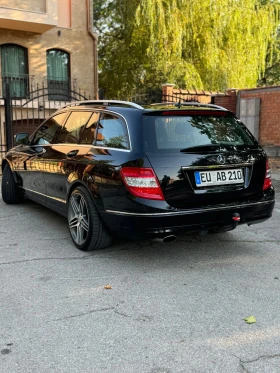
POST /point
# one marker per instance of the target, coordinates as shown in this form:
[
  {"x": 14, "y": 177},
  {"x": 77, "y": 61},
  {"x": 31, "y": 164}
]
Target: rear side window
[
  {"x": 184, "y": 131},
  {"x": 112, "y": 132},
  {"x": 74, "y": 127},
  {"x": 89, "y": 133}
]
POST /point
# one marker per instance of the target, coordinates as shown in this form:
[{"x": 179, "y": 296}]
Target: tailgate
[
  {"x": 203, "y": 157},
  {"x": 196, "y": 180}
]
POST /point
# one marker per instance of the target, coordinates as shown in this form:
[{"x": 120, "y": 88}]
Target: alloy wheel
[{"x": 78, "y": 218}]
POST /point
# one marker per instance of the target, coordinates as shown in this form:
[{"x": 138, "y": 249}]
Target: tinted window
[
  {"x": 112, "y": 132},
  {"x": 48, "y": 132},
  {"x": 89, "y": 133},
  {"x": 74, "y": 127},
  {"x": 180, "y": 132}
]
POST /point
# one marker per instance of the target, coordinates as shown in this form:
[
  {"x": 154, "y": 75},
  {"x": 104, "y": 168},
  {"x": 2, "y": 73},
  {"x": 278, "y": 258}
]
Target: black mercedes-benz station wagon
[{"x": 117, "y": 168}]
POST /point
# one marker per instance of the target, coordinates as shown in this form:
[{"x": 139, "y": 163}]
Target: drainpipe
[{"x": 94, "y": 36}]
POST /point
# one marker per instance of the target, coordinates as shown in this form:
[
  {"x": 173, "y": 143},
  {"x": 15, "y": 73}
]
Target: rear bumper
[{"x": 172, "y": 222}]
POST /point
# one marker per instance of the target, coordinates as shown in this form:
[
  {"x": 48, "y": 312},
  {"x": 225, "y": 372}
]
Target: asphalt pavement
[
  {"x": 138, "y": 307},
  {"x": 276, "y": 180}
]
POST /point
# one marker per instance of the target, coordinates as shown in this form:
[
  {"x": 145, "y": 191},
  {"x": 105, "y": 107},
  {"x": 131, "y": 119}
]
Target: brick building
[
  {"x": 48, "y": 56},
  {"x": 47, "y": 40}
]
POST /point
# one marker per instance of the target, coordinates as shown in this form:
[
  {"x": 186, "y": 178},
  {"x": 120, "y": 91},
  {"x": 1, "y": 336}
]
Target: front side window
[
  {"x": 14, "y": 67},
  {"x": 188, "y": 131},
  {"x": 58, "y": 70},
  {"x": 112, "y": 132},
  {"x": 48, "y": 132}
]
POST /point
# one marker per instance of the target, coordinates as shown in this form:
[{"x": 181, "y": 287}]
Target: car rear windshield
[{"x": 187, "y": 132}]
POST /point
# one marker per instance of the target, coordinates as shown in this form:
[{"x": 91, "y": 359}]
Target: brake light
[
  {"x": 195, "y": 112},
  {"x": 142, "y": 182},
  {"x": 267, "y": 181}
]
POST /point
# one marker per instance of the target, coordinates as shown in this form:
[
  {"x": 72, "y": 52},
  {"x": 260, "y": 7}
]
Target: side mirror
[{"x": 21, "y": 138}]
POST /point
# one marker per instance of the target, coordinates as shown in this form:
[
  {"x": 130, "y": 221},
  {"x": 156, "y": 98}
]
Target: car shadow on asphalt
[{"x": 188, "y": 248}]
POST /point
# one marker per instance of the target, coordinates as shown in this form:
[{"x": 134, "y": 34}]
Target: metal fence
[
  {"x": 186, "y": 97},
  {"x": 25, "y": 103},
  {"x": 23, "y": 86}
]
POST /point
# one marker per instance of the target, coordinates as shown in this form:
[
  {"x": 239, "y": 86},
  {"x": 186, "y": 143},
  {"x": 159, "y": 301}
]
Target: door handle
[{"x": 72, "y": 153}]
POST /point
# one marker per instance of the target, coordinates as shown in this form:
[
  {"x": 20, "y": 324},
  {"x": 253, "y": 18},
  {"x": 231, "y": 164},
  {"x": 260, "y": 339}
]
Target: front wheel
[
  {"x": 10, "y": 191},
  {"x": 86, "y": 228}
]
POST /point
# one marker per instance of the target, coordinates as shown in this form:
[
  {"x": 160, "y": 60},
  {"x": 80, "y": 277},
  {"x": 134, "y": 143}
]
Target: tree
[
  {"x": 271, "y": 75},
  {"x": 118, "y": 57},
  {"x": 201, "y": 44}
]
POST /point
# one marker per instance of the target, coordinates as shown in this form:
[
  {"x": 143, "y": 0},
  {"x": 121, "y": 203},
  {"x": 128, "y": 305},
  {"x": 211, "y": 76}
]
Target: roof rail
[
  {"x": 104, "y": 103},
  {"x": 162, "y": 103},
  {"x": 199, "y": 104}
]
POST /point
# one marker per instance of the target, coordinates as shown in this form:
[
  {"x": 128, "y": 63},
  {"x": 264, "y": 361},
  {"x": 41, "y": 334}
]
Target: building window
[
  {"x": 58, "y": 70},
  {"x": 14, "y": 68}
]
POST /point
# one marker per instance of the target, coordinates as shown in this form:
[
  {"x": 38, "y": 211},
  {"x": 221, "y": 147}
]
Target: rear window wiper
[{"x": 208, "y": 147}]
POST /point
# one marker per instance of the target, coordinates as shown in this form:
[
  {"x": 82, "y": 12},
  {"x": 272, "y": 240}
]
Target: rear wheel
[
  {"x": 86, "y": 228},
  {"x": 10, "y": 191}
]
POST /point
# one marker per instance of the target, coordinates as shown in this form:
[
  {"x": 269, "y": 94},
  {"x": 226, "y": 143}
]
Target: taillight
[
  {"x": 142, "y": 182},
  {"x": 267, "y": 181}
]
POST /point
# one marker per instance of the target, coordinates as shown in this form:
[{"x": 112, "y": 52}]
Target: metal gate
[
  {"x": 25, "y": 114},
  {"x": 250, "y": 114}
]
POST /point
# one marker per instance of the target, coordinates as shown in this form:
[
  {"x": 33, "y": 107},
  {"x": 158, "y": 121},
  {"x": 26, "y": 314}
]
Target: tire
[
  {"x": 10, "y": 191},
  {"x": 86, "y": 228}
]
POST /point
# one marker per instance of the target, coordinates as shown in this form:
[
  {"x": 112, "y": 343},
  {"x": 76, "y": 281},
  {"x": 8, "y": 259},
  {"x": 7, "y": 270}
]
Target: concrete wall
[
  {"x": 34, "y": 5},
  {"x": 29, "y": 15}
]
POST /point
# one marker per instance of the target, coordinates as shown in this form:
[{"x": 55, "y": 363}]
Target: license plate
[{"x": 218, "y": 177}]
